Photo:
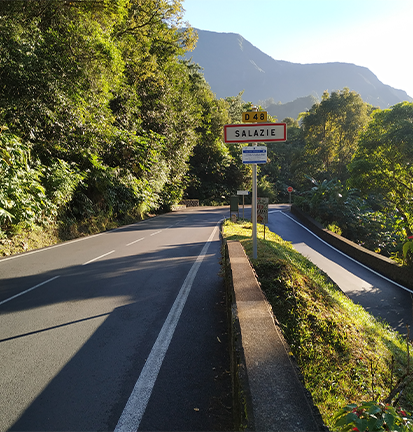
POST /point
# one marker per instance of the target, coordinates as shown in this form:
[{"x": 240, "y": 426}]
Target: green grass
[{"x": 345, "y": 355}]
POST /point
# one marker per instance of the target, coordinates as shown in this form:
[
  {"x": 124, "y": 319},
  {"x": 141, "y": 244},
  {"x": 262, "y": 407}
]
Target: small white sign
[
  {"x": 242, "y": 192},
  {"x": 254, "y": 155},
  {"x": 262, "y": 210}
]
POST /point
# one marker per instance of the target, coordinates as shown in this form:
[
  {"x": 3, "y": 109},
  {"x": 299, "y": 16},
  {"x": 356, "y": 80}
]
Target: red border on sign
[{"x": 251, "y": 125}]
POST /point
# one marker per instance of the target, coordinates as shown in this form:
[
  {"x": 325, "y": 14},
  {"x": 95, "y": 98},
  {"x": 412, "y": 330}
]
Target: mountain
[
  {"x": 289, "y": 109},
  {"x": 232, "y": 64}
]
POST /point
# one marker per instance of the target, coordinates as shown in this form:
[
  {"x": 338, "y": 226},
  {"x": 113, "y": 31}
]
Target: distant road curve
[{"x": 379, "y": 295}]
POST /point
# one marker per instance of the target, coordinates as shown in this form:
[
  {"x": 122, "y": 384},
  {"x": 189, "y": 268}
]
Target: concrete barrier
[
  {"x": 190, "y": 202},
  {"x": 268, "y": 393},
  {"x": 178, "y": 207},
  {"x": 267, "y": 389}
]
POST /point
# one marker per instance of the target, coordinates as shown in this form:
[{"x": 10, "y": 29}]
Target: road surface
[
  {"x": 118, "y": 331},
  {"x": 126, "y": 330}
]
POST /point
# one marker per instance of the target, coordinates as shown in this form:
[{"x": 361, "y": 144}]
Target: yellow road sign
[{"x": 254, "y": 117}]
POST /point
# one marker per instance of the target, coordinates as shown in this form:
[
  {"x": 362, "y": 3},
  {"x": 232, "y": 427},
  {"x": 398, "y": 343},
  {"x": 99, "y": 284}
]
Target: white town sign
[{"x": 253, "y": 132}]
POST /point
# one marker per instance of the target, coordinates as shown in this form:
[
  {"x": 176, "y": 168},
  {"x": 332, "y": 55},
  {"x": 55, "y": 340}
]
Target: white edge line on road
[
  {"x": 139, "y": 398},
  {"x": 49, "y": 247},
  {"x": 156, "y": 232},
  {"x": 347, "y": 256},
  {"x": 30, "y": 289},
  {"x": 136, "y": 241},
  {"x": 4, "y": 259},
  {"x": 99, "y": 257}
]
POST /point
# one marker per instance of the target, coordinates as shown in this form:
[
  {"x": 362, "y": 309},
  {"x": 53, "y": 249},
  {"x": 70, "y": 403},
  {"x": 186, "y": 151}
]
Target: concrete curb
[{"x": 268, "y": 393}]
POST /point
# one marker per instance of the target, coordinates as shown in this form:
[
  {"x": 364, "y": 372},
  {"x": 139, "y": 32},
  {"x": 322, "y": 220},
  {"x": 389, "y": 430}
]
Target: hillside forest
[{"x": 103, "y": 119}]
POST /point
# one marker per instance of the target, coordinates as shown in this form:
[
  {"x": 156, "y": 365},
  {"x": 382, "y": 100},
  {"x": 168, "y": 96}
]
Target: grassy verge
[{"x": 344, "y": 353}]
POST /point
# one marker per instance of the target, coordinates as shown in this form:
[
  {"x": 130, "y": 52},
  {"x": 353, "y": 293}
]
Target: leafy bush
[
  {"x": 105, "y": 190},
  {"x": 32, "y": 193},
  {"x": 372, "y": 416},
  {"x": 61, "y": 180},
  {"x": 359, "y": 220},
  {"x": 266, "y": 189},
  {"x": 23, "y": 198},
  {"x": 408, "y": 251}
]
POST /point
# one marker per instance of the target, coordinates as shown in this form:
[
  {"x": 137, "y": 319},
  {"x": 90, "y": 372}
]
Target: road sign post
[
  {"x": 254, "y": 155},
  {"x": 243, "y": 193},
  {"x": 233, "y": 207},
  {"x": 255, "y": 133},
  {"x": 262, "y": 211},
  {"x": 289, "y": 190}
]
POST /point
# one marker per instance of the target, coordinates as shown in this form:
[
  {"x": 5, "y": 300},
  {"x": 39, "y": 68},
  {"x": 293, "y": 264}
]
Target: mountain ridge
[{"x": 231, "y": 64}]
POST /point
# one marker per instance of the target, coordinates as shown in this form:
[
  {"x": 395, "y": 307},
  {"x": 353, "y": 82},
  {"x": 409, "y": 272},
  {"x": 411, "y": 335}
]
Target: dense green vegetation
[
  {"x": 102, "y": 121},
  {"x": 351, "y": 168},
  {"x": 100, "y": 118},
  {"x": 345, "y": 355}
]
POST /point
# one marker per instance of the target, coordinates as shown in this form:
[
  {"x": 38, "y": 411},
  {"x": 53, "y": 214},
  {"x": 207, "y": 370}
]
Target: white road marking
[
  {"x": 136, "y": 241},
  {"x": 139, "y": 398},
  {"x": 22, "y": 255},
  {"x": 28, "y": 290},
  {"x": 156, "y": 232},
  {"x": 99, "y": 257}
]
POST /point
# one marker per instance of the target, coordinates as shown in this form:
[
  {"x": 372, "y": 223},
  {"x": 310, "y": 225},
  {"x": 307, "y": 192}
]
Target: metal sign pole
[
  {"x": 243, "y": 204},
  {"x": 254, "y": 203},
  {"x": 254, "y": 211}
]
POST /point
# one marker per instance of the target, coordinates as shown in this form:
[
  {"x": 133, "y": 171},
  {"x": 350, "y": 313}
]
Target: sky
[{"x": 377, "y": 34}]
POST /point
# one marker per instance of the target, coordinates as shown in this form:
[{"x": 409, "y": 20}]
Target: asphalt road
[
  {"x": 126, "y": 330},
  {"x": 381, "y": 297},
  {"x": 118, "y": 331}
]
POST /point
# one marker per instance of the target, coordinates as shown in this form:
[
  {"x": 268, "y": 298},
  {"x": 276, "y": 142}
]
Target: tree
[
  {"x": 58, "y": 67},
  {"x": 281, "y": 170},
  {"x": 331, "y": 129},
  {"x": 383, "y": 164},
  {"x": 100, "y": 83},
  {"x": 156, "y": 98},
  {"x": 210, "y": 158},
  {"x": 216, "y": 169},
  {"x": 236, "y": 106}
]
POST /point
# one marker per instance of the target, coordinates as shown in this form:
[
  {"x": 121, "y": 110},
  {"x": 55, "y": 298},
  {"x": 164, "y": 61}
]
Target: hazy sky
[{"x": 377, "y": 34}]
